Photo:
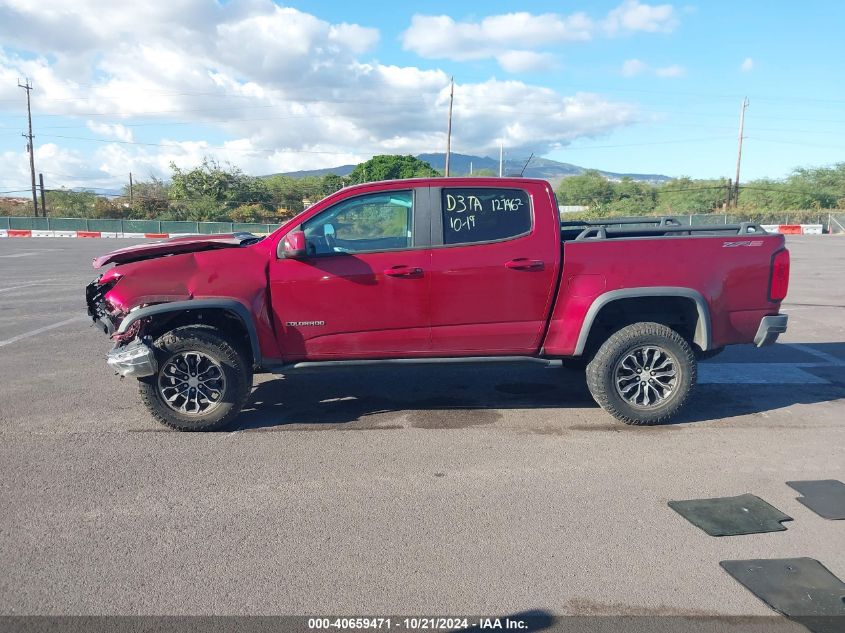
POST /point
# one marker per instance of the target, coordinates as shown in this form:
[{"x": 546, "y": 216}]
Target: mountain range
[{"x": 545, "y": 168}]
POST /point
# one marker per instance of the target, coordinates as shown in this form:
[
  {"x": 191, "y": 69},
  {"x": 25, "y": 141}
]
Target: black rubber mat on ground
[
  {"x": 825, "y": 497},
  {"x": 800, "y": 588},
  {"x": 731, "y": 516}
]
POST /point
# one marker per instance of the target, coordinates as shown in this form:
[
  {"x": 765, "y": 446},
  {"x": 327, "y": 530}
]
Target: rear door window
[{"x": 472, "y": 215}]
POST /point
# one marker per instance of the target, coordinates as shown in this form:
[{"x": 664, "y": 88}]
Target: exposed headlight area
[{"x": 99, "y": 309}]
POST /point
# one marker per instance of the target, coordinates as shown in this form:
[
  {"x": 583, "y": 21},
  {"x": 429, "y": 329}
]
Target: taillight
[{"x": 779, "y": 282}]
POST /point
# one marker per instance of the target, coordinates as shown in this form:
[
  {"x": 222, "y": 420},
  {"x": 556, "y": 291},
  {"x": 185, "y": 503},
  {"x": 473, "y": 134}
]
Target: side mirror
[{"x": 294, "y": 246}]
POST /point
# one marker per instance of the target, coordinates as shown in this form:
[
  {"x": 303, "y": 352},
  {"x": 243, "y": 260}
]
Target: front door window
[{"x": 365, "y": 224}]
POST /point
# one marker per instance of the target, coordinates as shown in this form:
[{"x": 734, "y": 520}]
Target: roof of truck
[{"x": 442, "y": 181}]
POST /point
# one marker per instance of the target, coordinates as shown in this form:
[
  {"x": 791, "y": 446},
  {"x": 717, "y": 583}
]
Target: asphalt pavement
[{"x": 413, "y": 490}]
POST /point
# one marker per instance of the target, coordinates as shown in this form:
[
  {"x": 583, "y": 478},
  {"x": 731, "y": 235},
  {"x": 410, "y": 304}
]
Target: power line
[
  {"x": 577, "y": 88},
  {"x": 785, "y": 142},
  {"x": 181, "y": 146}
]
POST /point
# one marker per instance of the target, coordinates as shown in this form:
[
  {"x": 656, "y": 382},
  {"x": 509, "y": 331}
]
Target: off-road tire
[
  {"x": 210, "y": 342},
  {"x": 601, "y": 370}
]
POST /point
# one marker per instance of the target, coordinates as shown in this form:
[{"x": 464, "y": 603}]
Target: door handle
[
  {"x": 403, "y": 271},
  {"x": 523, "y": 263}
]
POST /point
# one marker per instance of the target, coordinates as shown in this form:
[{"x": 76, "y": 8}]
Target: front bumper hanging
[
  {"x": 135, "y": 360},
  {"x": 770, "y": 328}
]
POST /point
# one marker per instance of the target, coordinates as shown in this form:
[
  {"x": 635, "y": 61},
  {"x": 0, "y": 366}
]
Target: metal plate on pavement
[
  {"x": 825, "y": 497},
  {"x": 731, "y": 516},
  {"x": 802, "y": 589}
]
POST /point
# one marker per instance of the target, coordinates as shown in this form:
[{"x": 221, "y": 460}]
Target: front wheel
[
  {"x": 643, "y": 374},
  {"x": 202, "y": 380}
]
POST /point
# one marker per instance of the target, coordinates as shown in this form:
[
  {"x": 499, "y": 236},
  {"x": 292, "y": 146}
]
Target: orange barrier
[
  {"x": 87, "y": 234},
  {"x": 19, "y": 233},
  {"x": 157, "y": 235},
  {"x": 790, "y": 229}
]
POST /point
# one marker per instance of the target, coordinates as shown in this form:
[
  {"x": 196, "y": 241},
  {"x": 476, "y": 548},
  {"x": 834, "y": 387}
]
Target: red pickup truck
[{"x": 438, "y": 270}]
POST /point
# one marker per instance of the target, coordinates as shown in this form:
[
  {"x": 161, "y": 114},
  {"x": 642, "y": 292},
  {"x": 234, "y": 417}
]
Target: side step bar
[{"x": 462, "y": 360}]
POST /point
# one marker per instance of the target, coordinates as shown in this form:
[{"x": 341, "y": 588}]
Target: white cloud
[
  {"x": 671, "y": 71},
  {"x": 510, "y": 36},
  {"x": 525, "y": 61},
  {"x": 635, "y": 67},
  {"x": 747, "y": 65},
  {"x": 441, "y": 37},
  {"x": 61, "y": 167},
  {"x": 357, "y": 39},
  {"x": 287, "y": 89},
  {"x": 632, "y": 16},
  {"x": 114, "y": 130}
]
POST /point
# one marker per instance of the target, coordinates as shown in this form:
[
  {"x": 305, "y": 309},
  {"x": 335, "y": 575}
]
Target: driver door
[{"x": 362, "y": 291}]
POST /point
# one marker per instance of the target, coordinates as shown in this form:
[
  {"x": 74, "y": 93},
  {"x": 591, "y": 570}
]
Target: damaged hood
[{"x": 174, "y": 246}]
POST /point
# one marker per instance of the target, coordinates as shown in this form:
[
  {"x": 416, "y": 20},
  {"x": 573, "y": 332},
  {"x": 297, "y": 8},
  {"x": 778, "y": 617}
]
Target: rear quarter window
[{"x": 473, "y": 215}]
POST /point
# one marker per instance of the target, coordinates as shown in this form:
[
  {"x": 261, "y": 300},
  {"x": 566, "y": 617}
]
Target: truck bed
[{"x": 726, "y": 267}]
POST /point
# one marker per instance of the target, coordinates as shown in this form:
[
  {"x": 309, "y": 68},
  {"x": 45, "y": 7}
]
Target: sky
[{"x": 621, "y": 85}]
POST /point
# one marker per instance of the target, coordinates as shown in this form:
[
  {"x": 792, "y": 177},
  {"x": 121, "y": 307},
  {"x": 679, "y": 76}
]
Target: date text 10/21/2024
[{"x": 473, "y": 204}]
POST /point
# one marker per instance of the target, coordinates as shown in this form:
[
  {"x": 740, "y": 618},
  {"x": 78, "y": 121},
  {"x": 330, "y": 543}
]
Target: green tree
[
  {"x": 632, "y": 198},
  {"x": 248, "y": 213},
  {"x": 64, "y": 203},
  {"x": 589, "y": 188},
  {"x": 685, "y": 195},
  {"x": 150, "y": 199},
  {"x": 391, "y": 167},
  {"x": 332, "y": 183},
  {"x": 813, "y": 188},
  {"x": 286, "y": 194},
  {"x": 110, "y": 208},
  {"x": 198, "y": 188}
]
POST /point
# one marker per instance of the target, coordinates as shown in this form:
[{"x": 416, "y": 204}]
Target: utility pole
[
  {"x": 131, "y": 192},
  {"x": 739, "y": 149},
  {"x": 449, "y": 129},
  {"x": 43, "y": 203},
  {"x": 501, "y": 157},
  {"x": 29, "y": 147}
]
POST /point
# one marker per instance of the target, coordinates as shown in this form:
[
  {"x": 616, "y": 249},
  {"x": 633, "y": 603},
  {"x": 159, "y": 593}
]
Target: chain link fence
[
  {"x": 133, "y": 226},
  {"x": 836, "y": 223},
  {"x": 830, "y": 221},
  {"x": 825, "y": 218}
]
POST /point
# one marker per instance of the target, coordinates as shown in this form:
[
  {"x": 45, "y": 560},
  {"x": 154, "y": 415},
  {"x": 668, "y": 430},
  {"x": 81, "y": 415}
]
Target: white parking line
[
  {"x": 39, "y": 283},
  {"x": 18, "y": 287},
  {"x": 41, "y": 330},
  {"x": 818, "y": 354}
]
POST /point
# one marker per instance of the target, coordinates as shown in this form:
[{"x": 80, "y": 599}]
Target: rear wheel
[
  {"x": 643, "y": 374},
  {"x": 202, "y": 380}
]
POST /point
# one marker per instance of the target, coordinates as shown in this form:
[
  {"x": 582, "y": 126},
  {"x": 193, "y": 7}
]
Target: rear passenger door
[{"x": 492, "y": 271}]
